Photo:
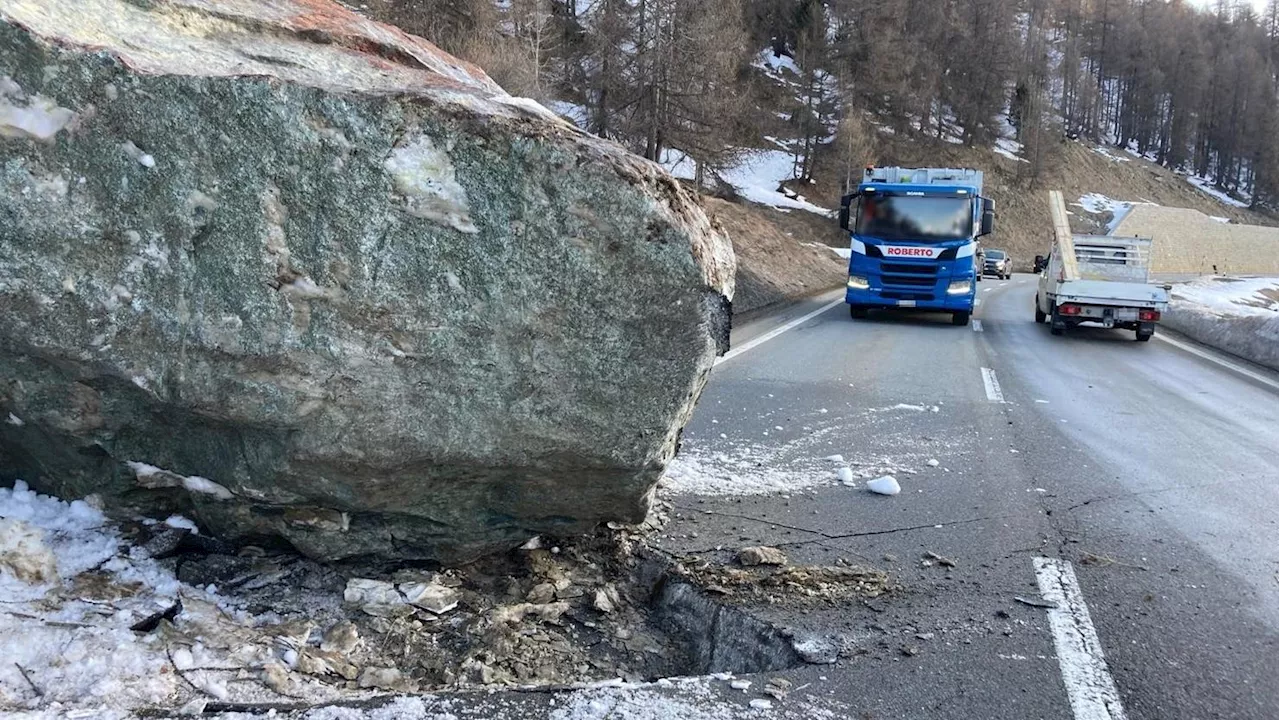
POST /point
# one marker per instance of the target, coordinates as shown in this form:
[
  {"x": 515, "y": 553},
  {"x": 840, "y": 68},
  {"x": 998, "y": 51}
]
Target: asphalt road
[{"x": 1150, "y": 469}]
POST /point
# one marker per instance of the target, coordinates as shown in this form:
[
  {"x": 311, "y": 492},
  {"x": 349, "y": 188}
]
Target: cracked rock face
[{"x": 304, "y": 276}]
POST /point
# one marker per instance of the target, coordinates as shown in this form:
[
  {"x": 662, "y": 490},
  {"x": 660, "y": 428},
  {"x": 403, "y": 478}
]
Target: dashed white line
[
  {"x": 977, "y": 326},
  {"x": 753, "y": 342},
  {"x": 1219, "y": 361},
  {"x": 1090, "y": 688},
  {"x": 992, "y": 385},
  {"x": 986, "y": 289}
]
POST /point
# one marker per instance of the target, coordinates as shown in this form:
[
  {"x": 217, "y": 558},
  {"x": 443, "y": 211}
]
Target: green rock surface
[{"x": 302, "y": 276}]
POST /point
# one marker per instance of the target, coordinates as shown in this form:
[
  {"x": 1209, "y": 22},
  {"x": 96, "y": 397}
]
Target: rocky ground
[{"x": 145, "y": 616}]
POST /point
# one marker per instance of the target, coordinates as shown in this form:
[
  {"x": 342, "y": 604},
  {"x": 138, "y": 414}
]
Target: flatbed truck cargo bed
[{"x": 1098, "y": 279}]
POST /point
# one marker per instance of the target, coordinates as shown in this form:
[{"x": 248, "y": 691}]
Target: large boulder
[{"x": 304, "y": 276}]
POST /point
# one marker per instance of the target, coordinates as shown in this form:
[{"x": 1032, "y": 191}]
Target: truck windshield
[{"x": 923, "y": 219}]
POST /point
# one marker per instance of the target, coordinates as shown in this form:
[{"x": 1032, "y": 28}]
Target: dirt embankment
[{"x": 781, "y": 256}]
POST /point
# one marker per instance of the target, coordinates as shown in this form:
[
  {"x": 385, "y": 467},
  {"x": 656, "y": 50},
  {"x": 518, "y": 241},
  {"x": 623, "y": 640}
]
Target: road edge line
[
  {"x": 1090, "y": 688},
  {"x": 1222, "y": 362},
  {"x": 753, "y": 342}
]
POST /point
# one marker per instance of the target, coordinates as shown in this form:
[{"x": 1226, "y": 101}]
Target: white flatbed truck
[{"x": 1098, "y": 279}]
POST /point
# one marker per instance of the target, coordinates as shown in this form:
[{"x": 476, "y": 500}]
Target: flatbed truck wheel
[
  {"x": 857, "y": 312},
  {"x": 1144, "y": 336},
  {"x": 960, "y": 318},
  {"x": 1056, "y": 325},
  {"x": 1040, "y": 316}
]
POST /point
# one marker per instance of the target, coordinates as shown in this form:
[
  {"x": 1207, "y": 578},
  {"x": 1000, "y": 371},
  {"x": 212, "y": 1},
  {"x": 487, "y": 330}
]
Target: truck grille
[
  {"x": 912, "y": 280},
  {"x": 913, "y": 275},
  {"x": 905, "y": 269}
]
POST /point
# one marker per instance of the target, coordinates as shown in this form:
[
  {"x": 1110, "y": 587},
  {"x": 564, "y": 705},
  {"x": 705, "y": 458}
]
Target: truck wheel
[
  {"x": 1056, "y": 325},
  {"x": 960, "y": 318},
  {"x": 1040, "y": 316},
  {"x": 1145, "y": 336},
  {"x": 857, "y": 312}
]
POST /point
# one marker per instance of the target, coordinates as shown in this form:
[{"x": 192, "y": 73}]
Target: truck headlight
[
  {"x": 857, "y": 282},
  {"x": 959, "y": 287}
]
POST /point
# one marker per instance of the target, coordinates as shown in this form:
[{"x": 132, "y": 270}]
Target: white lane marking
[
  {"x": 992, "y": 385},
  {"x": 753, "y": 342},
  {"x": 1090, "y": 688},
  {"x": 977, "y": 326},
  {"x": 1220, "y": 361},
  {"x": 986, "y": 289}
]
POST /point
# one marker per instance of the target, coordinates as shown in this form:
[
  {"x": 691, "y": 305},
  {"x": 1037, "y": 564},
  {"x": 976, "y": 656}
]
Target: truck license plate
[
  {"x": 1126, "y": 315},
  {"x": 906, "y": 303}
]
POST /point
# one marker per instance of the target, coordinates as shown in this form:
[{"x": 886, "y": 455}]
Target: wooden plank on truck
[{"x": 1062, "y": 236}]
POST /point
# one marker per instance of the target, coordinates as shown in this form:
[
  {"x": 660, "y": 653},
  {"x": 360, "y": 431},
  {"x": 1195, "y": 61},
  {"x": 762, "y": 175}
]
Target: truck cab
[{"x": 913, "y": 239}]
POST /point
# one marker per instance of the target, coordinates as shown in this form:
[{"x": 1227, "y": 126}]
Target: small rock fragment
[
  {"x": 541, "y": 593},
  {"x": 777, "y": 687},
  {"x": 884, "y": 485},
  {"x": 385, "y": 678},
  {"x": 341, "y": 638},
  {"x": 761, "y": 555},
  {"x": 816, "y": 650},
  {"x": 276, "y": 677},
  {"x": 436, "y": 598},
  {"x": 512, "y": 614},
  {"x": 607, "y": 599},
  {"x": 376, "y": 597},
  {"x": 940, "y": 559}
]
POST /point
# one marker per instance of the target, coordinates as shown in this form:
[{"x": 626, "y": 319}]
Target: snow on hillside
[
  {"x": 1097, "y": 203},
  {"x": 574, "y": 113},
  {"x": 756, "y": 176},
  {"x": 1206, "y": 186},
  {"x": 774, "y": 65}
]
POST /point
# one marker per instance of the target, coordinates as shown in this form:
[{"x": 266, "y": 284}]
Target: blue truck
[{"x": 913, "y": 240}]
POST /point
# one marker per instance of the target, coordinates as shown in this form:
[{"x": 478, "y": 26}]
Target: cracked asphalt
[{"x": 1152, "y": 470}]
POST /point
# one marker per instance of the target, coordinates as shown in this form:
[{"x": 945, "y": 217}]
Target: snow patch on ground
[
  {"x": 1010, "y": 149},
  {"x": 776, "y": 66},
  {"x": 1206, "y": 186},
  {"x": 1236, "y": 315},
  {"x": 1109, "y": 155},
  {"x": 574, "y": 113},
  {"x": 678, "y": 164},
  {"x": 78, "y": 649},
  {"x": 1231, "y": 296},
  {"x": 1097, "y": 203},
  {"x": 758, "y": 175}
]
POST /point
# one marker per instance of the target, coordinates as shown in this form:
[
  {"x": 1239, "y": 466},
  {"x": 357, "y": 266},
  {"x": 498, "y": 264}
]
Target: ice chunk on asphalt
[
  {"x": 846, "y": 475},
  {"x": 932, "y": 463},
  {"x": 834, "y": 458},
  {"x": 760, "y": 704},
  {"x": 884, "y": 485}
]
